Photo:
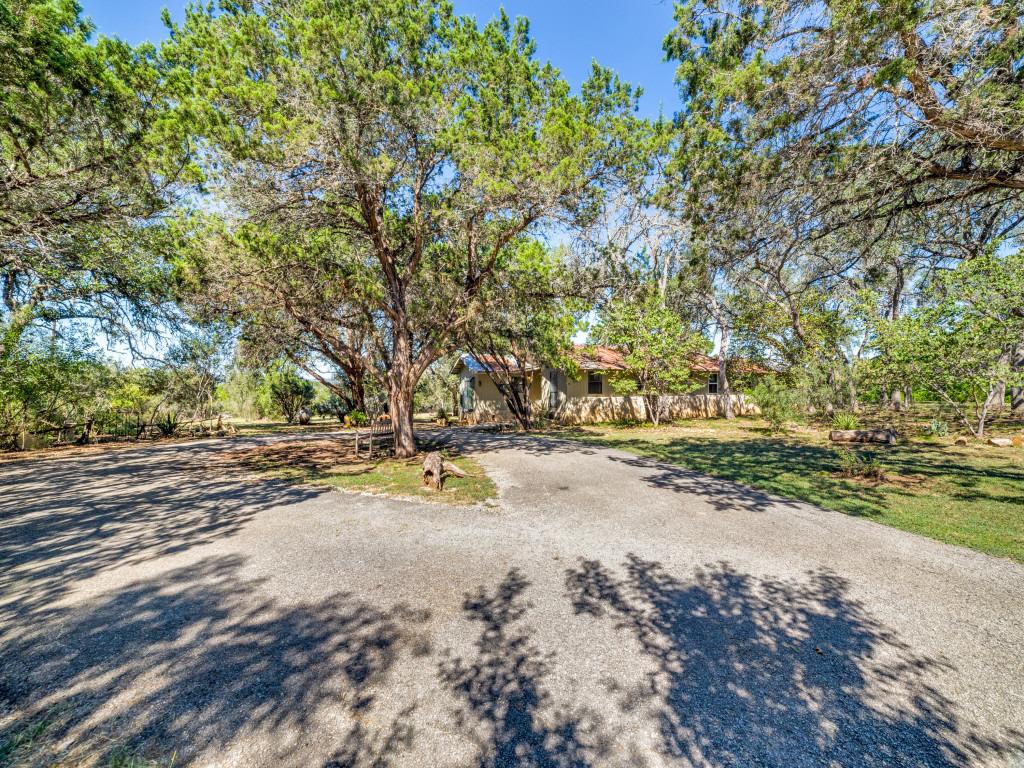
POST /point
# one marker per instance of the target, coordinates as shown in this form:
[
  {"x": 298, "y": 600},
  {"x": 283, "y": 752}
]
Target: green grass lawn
[
  {"x": 332, "y": 464},
  {"x": 969, "y": 495}
]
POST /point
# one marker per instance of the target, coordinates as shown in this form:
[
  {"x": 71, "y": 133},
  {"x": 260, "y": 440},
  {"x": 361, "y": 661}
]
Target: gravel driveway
[{"x": 606, "y": 611}]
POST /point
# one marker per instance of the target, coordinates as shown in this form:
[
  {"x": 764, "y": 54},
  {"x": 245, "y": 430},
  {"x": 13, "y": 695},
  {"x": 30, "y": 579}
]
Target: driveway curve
[{"x": 607, "y": 610}]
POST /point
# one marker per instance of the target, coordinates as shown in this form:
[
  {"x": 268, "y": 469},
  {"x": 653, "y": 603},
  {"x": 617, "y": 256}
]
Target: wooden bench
[{"x": 381, "y": 433}]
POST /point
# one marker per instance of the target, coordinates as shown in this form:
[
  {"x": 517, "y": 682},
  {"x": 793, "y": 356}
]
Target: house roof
[
  {"x": 707, "y": 364},
  {"x": 596, "y": 358},
  {"x": 611, "y": 359},
  {"x": 486, "y": 363},
  {"x": 599, "y": 358}
]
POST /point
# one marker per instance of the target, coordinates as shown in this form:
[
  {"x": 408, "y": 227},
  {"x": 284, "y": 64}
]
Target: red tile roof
[
  {"x": 599, "y": 358},
  {"x": 596, "y": 358}
]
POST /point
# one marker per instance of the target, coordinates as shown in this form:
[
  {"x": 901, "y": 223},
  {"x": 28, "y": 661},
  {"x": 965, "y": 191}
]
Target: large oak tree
[{"x": 393, "y": 153}]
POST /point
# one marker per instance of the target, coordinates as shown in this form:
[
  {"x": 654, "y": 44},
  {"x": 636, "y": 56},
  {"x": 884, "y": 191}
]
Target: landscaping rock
[
  {"x": 1000, "y": 442},
  {"x": 961, "y": 441}
]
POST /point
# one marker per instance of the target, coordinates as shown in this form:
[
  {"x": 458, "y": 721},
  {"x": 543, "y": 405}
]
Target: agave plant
[
  {"x": 168, "y": 424},
  {"x": 845, "y": 421}
]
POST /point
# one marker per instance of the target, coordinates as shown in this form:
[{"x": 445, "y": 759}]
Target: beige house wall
[
  {"x": 579, "y": 407},
  {"x": 588, "y": 410}
]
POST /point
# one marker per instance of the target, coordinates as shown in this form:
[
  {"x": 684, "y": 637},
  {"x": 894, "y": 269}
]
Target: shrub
[
  {"x": 936, "y": 428},
  {"x": 358, "y": 419},
  {"x": 777, "y": 401},
  {"x": 854, "y": 464},
  {"x": 168, "y": 424},
  {"x": 845, "y": 421}
]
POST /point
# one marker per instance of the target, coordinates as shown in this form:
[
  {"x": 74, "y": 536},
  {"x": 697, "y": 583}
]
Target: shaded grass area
[
  {"x": 968, "y": 495},
  {"x": 38, "y": 742},
  {"x": 269, "y": 427},
  {"x": 334, "y": 464}
]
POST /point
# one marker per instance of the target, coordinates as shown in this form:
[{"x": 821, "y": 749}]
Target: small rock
[
  {"x": 961, "y": 441},
  {"x": 1000, "y": 442}
]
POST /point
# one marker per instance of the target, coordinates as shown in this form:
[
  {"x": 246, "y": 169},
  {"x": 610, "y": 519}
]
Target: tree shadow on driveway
[
  {"x": 471, "y": 440},
  {"x": 197, "y": 658},
  {"x": 506, "y": 708},
  {"x": 759, "y": 671},
  {"x": 62, "y": 521}
]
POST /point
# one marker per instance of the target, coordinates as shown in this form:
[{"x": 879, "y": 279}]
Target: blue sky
[{"x": 625, "y": 35}]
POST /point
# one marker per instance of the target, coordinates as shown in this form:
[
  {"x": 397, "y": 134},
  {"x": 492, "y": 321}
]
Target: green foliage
[
  {"x": 958, "y": 344},
  {"x": 657, "y": 349},
  {"x": 527, "y": 323},
  {"x": 438, "y": 388},
  {"x": 194, "y": 369},
  {"x": 242, "y": 395},
  {"x": 845, "y": 421},
  {"x": 45, "y": 385},
  {"x": 751, "y": 83},
  {"x": 333, "y": 406},
  {"x": 778, "y": 401},
  {"x": 936, "y": 428},
  {"x": 358, "y": 419},
  {"x": 287, "y": 390},
  {"x": 863, "y": 465},
  {"x": 168, "y": 424},
  {"x": 90, "y": 164},
  {"x": 440, "y": 144}
]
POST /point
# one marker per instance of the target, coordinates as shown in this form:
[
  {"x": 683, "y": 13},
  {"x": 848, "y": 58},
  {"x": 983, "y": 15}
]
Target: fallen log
[
  {"x": 886, "y": 436},
  {"x": 436, "y": 469}
]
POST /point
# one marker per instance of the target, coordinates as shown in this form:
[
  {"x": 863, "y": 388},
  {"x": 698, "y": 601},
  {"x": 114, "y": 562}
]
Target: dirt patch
[
  {"x": 320, "y": 457},
  {"x": 916, "y": 483},
  {"x": 333, "y": 463}
]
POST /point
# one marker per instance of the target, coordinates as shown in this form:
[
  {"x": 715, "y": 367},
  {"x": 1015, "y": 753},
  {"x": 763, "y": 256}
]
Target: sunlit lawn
[
  {"x": 969, "y": 495},
  {"x": 333, "y": 463}
]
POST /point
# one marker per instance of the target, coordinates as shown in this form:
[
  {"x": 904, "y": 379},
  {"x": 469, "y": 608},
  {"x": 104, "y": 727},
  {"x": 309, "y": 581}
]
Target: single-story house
[{"x": 589, "y": 396}]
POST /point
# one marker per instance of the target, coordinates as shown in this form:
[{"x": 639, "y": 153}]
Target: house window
[
  {"x": 594, "y": 384},
  {"x": 713, "y": 384}
]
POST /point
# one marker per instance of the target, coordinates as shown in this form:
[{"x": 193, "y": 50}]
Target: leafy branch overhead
[{"x": 400, "y": 152}]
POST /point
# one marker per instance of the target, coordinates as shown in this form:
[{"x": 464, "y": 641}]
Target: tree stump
[
  {"x": 436, "y": 469},
  {"x": 886, "y": 436}
]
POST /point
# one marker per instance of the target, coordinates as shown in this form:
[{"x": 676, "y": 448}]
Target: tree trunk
[
  {"x": 982, "y": 418},
  {"x": 652, "y": 407},
  {"x": 86, "y": 435},
  {"x": 436, "y": 469},
  {"x": 996, "y": 398},
  {"x": 723, "y": 374},
  {"x": 358, "y": 392},
  {"x": 1017, "y": 392},
  {"x": 896, "y": 400},
  {"x": 433, "y": 471},
  {"x": 400, "y": 408}
]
